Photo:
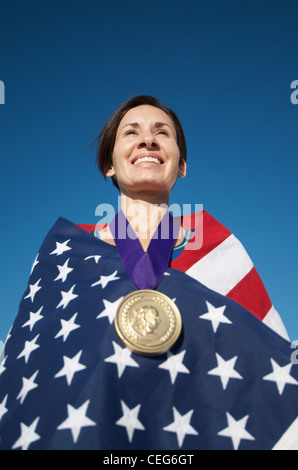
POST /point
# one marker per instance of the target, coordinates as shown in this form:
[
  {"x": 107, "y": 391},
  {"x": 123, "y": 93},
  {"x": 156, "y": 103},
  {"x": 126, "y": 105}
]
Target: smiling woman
[
  {"x": 146, "y": 157},
  {"x": 107, "y": 137},
  {"x": 143, "y": 149},
  {"x": 136, "y": 336}
]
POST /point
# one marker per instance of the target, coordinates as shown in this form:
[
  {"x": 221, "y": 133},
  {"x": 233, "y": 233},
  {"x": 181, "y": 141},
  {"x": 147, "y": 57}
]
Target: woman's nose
[{"x": 148, "y": 141}]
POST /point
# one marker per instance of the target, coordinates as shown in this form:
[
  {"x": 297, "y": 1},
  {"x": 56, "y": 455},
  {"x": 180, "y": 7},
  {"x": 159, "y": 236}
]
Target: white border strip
[
  {"x": 273, "y": 320},
  {"x": 289, "y": 440}
]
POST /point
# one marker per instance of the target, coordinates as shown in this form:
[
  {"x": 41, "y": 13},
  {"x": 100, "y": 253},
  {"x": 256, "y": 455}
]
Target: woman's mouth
[{"x": 147, "y": 159}]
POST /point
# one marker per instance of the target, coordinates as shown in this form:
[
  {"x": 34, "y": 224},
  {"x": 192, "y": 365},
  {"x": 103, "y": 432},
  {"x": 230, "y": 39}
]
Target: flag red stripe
[
  {"x": 250, "y": 292},
  {"x": 213, "y": 234},
  {"x": 87, "y": 227}
]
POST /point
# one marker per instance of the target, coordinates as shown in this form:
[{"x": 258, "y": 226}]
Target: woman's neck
[{"x": 144, "y": 218}]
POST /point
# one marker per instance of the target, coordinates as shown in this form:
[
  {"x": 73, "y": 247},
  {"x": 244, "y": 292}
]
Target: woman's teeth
[{"x": 147, "y": 159}]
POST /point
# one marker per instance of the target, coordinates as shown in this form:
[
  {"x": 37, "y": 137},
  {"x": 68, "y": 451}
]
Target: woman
[
  {"x": 117, "y": 345},
  {"x": 143, "y": 150},
  {"x": 145, "y": 188}
]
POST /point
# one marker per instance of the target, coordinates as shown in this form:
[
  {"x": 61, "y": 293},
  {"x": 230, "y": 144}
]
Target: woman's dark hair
[{"x": 106, "y": 139}]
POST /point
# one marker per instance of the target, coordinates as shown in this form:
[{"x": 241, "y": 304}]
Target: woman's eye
[
  {"x": 163, "y": 132},
  {"x": 130, "y": 131},
  {"x": 134, "y": 132}
]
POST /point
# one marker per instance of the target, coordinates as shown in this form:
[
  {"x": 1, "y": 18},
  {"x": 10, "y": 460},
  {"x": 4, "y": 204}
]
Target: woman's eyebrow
[
  {"x": 133, "y": 124},
  {"x": 161, "y": 124}
]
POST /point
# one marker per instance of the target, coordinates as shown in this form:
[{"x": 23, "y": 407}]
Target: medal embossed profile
[{"x": 147, "y": 322}]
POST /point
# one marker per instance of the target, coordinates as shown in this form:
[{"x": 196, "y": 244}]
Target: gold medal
[{"x": 148, "y": 322}]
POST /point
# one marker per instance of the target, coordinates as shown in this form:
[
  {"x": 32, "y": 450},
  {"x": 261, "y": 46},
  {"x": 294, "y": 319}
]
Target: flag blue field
[{"x": 67, "y": 381}]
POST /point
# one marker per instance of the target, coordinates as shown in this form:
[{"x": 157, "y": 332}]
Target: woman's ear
[
  {"x": 182, "y": 169},
  {"x": 110, "y": 172}
]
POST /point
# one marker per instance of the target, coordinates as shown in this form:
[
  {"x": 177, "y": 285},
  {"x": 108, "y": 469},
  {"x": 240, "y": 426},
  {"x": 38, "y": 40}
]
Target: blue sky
[{"x": 224, "y": 66}]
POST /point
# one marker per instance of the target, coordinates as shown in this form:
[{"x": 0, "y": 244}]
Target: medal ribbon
[{"x": 145, "y": 268}]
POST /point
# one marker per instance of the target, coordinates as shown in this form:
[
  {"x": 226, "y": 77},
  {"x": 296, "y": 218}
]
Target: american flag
[
  {"x": 218, "y": 260},
  {"x": 67, "y": 382}
]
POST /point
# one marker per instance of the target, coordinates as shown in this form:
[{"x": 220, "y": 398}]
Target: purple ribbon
[{"x": 145, "y": 268}]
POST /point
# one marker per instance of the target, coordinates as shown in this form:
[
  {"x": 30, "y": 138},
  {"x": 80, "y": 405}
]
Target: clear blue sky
[{"x": 224, "y": 66}]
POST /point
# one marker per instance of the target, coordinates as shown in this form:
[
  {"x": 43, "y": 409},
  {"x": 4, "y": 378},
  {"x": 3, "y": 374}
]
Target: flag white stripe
[
  {"x": 289, "y": 440},
  {"x": 273, "y": 320},
  {"x": 223, "y": 267}
]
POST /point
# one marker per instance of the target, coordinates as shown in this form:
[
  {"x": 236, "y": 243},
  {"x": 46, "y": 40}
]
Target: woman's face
[{"x": 146, "y": 154}]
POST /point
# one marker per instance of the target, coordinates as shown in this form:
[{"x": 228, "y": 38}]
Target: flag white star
[
  {"x": 28, "y": 435},
  {"x": 63, "y": 271},
  {"x": 61, "y": 248},
  {"x": 28, "y": 385},
  {"x": 215, "y": 315},
  {"x": 30, "y": 346},
  {"x": 35, "y": 262},
  {"x": 281, "y": 376},
  {"x": 130, "y": 420},
  {"x": 34, "y": 317},
  {"x": 71, "y": 367},
  {"x": 67, "y": 297},
  {"x": 95, "y": 257},
  {"x": 104, "y": 280},
  {"x": 3, "y": 408},
  {"x": 236, "y": 430},
  {"x": 110, "y": 309},
  {"x": 77, "y": 420},
  {"x": 181, "y": 426},
  {"x": 174, "y": 364},
  {"x": 33, "y": 289},
  {"x": 122, "y": 358},
  {"x": 225, "y": 370},
  {"x": 67, "y": 327}
]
